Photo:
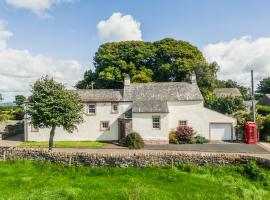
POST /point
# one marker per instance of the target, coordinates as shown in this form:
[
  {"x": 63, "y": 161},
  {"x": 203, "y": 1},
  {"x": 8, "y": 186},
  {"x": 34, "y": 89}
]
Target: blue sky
[{"x": 66, "y": 33}]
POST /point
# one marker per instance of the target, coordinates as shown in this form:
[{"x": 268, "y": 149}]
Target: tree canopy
[
  {"x": 160, "y": 61},
  {"x": 264, "y": 86},
  {"x": 51, "y": 106},
  {"x": 226, "y": 104}
]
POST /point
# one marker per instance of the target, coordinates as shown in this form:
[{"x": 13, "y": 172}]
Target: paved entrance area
[{"x": 225, "y": 148}]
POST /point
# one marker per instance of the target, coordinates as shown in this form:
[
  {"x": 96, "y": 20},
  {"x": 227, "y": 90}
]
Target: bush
[
  {"x": 200, "y": 139},
  {"x": 265, "y": 132},
  {"x": 226, "y": 104},
  {"x": 254, "y": 173},
  {"x": 134, "y": 141},
  {"x": 5, "y": 117},
  {"x": 173, "y": 137},
  {"x": 263, "y": 110},
  {"x": 192, "y": 141},
  {"x": 184, "y": 134}
]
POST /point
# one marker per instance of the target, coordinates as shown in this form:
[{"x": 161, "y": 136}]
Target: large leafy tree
[
  {"x": 52, "y": 106},
  {"x": 174, "y": 59},
  {"x": 206, "y": 77},
  {"x": 264, "y": 86},
  {"x": 160, "y": 61}
]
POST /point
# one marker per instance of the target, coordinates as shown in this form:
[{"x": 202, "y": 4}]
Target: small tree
[
  {"x": 52, "y": 106},
  {"x": 264, "y": 86},
  {"x": 19, "y": 100}
]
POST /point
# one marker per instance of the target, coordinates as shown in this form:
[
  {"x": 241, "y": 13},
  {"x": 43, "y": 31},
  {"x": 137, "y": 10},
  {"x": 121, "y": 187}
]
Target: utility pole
[{"x": 253, "y": 98}]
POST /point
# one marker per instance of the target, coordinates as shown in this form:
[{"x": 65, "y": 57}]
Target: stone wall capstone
[{"x": 128, "y": 160}]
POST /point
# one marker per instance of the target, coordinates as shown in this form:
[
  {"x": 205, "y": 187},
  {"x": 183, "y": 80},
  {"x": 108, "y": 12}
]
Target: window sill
[{"x": 89, "y": 114}]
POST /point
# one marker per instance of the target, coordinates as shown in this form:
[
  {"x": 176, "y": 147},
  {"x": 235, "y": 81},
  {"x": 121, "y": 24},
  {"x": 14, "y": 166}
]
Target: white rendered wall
[
  {"x": 89, "y": 130},
  {"x": 142, "y": 124},
  {"x": 211, "y": 116},
  {"x": 190, "y": 111},
  {"x": 197, "y": 117}
]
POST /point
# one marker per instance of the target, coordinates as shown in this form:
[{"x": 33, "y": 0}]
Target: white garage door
[{"x": 221, "y": 131}]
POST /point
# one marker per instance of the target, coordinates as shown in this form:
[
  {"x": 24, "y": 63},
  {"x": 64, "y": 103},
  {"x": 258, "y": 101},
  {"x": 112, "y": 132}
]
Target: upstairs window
[
  {"x": 104, "y": 125},
  {"x": 156, "y": 122},
  {"x": 114, "y": 107},
  {"x": 92, "y": 109},
  {"x": 182, "y": 123}
]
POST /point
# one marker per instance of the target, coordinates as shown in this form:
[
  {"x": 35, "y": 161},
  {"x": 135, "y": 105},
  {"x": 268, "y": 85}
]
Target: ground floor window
[
  {"x": 156, "y": 122},
  {"x": 182, "y": 123},
  {"x": 104, "y": 125}
]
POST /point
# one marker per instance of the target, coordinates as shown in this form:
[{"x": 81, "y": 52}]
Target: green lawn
[
  {"x": 64, "y": 144},
  {"x": 21, "y": 180}
]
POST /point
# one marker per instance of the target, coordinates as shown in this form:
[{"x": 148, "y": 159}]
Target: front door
[{"x": 122, "y": 129}]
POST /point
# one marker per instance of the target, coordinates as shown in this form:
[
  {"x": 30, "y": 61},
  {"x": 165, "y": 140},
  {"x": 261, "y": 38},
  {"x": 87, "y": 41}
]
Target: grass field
[
  {"x": 64, "y": 144},
  {"x": 39, "y": 180}
]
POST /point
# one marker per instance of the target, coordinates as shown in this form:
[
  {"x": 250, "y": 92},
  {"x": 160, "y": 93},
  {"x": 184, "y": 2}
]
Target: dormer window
[
  {"x": 114, "y": 107},
  {"x": 92, "y": 109}
]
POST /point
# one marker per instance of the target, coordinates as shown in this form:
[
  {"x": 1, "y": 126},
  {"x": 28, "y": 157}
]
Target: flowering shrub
[{"x": 184, "y": 134}]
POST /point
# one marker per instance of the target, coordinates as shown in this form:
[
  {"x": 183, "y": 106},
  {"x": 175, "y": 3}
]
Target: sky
[{"x": 60, "y": 37}]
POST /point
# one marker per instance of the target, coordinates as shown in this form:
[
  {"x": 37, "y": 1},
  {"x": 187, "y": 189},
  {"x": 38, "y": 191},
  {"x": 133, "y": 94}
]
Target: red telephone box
[{"x": 251, "y": 133}]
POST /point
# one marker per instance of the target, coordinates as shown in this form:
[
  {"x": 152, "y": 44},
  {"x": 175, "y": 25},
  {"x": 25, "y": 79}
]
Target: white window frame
[
  {"x": 180, "y": 121},
  {"x": 156, "y": 125},
  {"x": 102, "y": 127},
  {"x": 115, "y": 111},
  {"x": 88, "y": 108}
]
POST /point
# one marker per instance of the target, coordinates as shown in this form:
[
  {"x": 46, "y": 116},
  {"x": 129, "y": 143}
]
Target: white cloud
[
  {"x": 39, "y": 7},
  {"x": 119, "y": 28},
  {"x": 19, "y": 69},
  {"x": 4, "y": 35},
  {"x": 238, "y": 56}
]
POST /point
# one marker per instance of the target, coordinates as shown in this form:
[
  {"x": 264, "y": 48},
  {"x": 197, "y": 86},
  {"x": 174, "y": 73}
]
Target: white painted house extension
[{"x": 151, "y": 109}]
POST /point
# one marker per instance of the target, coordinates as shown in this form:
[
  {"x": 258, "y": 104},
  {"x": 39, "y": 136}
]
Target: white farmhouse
[{"x": 151, "y": 109}]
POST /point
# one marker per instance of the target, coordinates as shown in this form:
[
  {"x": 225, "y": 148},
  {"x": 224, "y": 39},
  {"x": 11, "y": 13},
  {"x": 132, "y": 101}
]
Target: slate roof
[
  {"x": 235, "y": 92},
  {"x": 150, "y": 107},
  {"x": 167, "y": 91},
  {"x": 100, "y": 95},
  {"x": 248, "y": 104},
  {"x": 146, "y": 97},
  {"x": 265, "y": 100}
]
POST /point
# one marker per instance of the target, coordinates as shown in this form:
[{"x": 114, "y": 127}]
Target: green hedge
[{"x": 263, "y": 110}]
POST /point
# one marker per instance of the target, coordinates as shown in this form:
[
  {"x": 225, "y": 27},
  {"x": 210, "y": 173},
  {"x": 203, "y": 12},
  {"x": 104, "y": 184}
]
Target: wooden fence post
[
  {"x": 4, "y": 156},
  {"x": 69, "y": 161},
  {"x": 172, "y": 163}
]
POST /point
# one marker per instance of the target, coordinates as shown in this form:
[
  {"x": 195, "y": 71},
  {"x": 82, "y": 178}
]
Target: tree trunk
[{"x": 51, "y": 138}]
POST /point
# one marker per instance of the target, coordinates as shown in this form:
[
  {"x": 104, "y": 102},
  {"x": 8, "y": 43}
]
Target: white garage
[{"x": 221, "y": 131}]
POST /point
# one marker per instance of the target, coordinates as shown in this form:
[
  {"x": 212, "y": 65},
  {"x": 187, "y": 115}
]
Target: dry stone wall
[{"x": 130, "y": 160}]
